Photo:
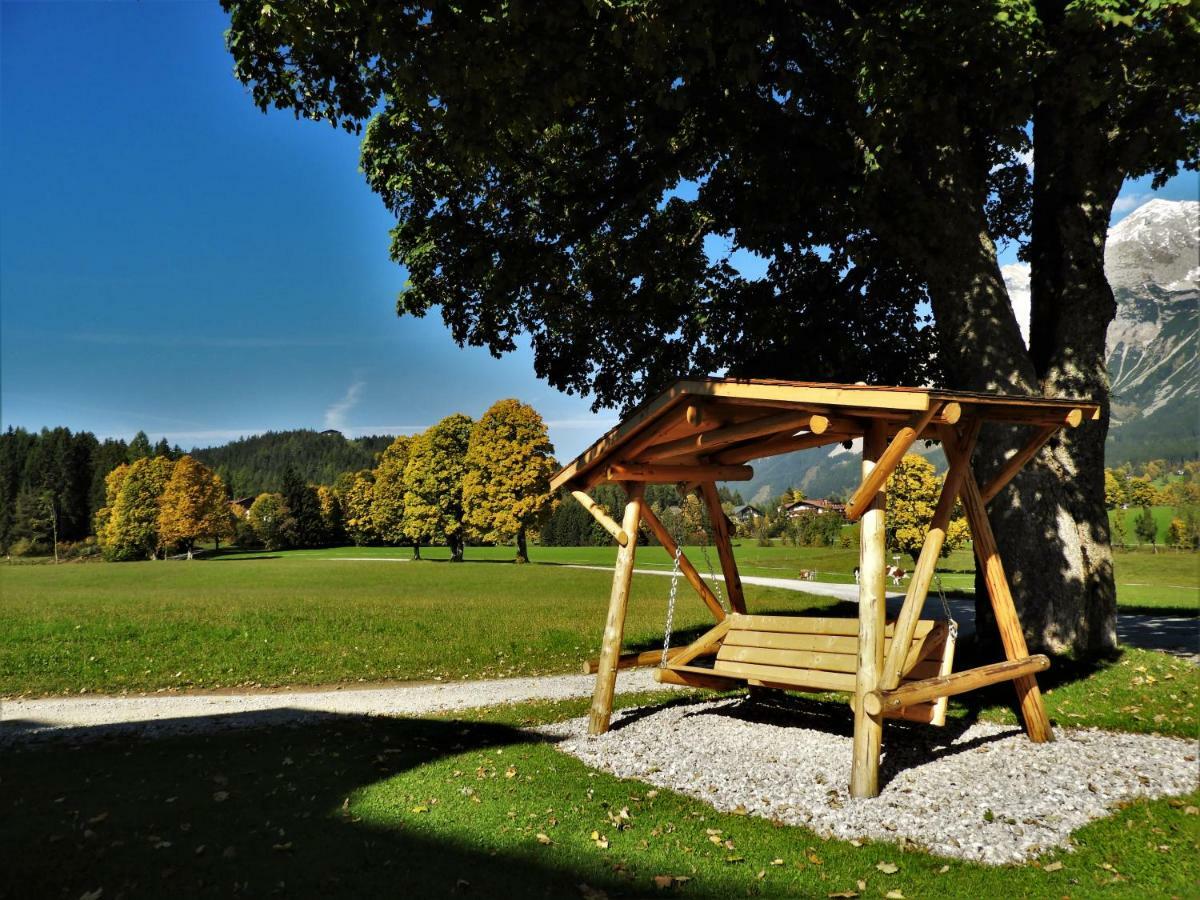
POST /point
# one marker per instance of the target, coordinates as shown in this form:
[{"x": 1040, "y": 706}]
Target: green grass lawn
[
  {"x": 309, "y": 618},
  {"x": 475, "y": 805},
  {"x": 316, "y": 617}
]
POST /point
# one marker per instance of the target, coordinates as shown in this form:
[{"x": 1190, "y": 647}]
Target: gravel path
[
  {"x": 984, "y": 794},
  {"x": 157, "y": 714}
]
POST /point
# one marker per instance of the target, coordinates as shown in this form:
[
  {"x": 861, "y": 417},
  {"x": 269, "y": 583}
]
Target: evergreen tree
[
  {"x": 162, "y": 448},
  {"x": 506, "y": 490},
  {"x": 302, "y": 526},
  {"x": 1146, "y": 528},
  {"x": 139, "y": 448}
]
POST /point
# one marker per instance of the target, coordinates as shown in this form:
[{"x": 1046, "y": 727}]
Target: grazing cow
[
  {"x": 807, "y": 575},
  {"x": 893, "y": 572}
]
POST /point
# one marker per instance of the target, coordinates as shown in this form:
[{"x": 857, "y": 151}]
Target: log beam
[
  {"x": 601, "y": 516},
  {"x": 614, "y": 627},
  {"x": 888, "y": 461},
  {"x": 987, "y": 554},
  {"x": 918, "y": 586},
  {"x": 775, "y": 446},
  {"x": 685, "y": 565},
  {"x": 1017, "y": 462},
  {"x": 914, "y": 692},
  {"x": 669, "y": 474},
  {"x": 634, "y": 660},
  {"x": 724, "y": 542},
  {"x": 708, "y": 441}
]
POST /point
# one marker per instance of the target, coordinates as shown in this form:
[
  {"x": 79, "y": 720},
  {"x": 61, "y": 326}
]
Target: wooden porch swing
[{"x": 700, "y": 432}]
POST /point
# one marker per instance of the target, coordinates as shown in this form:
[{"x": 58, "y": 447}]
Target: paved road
[{"x": 1175, "y": 634}]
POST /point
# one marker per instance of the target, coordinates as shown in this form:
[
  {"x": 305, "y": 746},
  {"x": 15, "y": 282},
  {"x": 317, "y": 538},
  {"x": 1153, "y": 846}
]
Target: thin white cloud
[
  {"x": 1016, "y": 279},
  {"x": 335, "y": 415}
]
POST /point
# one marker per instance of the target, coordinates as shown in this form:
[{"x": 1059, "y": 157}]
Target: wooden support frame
[
  {"x": 1017, "y": 462},
  {"x": 614, "y": 627},
  {"x": 775, "y": 446},
  {"x": 931, "y": 551},
  {"x": 708, "y": 441},
  {"x": 633, "y": 660},
  {"x": 872, "y": 594},
  {"x": 959, "y": 683},
  {"x": 987, "y": 554},
  {"x": 724, "y": 542},
  {"x": 685, "y": 565},
  {"x": 888, "y": 460},
  {"x": 601, "y": 516},
  {"x": 670, "y": 474}
]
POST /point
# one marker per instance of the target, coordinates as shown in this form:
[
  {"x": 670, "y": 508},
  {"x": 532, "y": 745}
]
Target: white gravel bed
[
  {"x": 156, "y": 714},
  {"x": 985, "y": 794}
]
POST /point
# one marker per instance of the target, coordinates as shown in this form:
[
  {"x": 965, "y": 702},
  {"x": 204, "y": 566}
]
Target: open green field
[
  {"x": 328, "y": 616},
  {"x": 1162, "y": 519},
  {"x": 309, "y": 618},
  {"x": 476, "y": 805}
]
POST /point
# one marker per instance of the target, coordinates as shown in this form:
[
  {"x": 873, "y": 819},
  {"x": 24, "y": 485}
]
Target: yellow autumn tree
[
  {"x": 356, "y": 493},
  {"x": 193, "y": 505},
  {"x": 912, "y": 495},
  {"x": 387, "y": 500},
  {"x": 433, "y": 485},
  {"x": 130, "y": 519},
  {"x": 510, "y": 459}
]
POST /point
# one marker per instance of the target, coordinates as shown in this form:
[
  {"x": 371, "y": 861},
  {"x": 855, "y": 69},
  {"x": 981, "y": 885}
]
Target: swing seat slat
[{"x": 814, "y": 653}]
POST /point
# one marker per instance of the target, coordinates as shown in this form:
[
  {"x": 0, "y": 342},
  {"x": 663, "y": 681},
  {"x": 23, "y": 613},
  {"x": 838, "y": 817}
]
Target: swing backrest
[{"x": 815, "y": 652}]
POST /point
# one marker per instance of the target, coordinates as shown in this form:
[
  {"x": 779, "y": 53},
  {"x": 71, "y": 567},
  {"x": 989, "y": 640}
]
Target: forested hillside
[{"x": 255, "y": 464}]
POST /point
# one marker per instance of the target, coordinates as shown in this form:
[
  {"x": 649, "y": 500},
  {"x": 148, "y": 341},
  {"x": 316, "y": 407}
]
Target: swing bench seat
[{"x": 809, "y": 653}]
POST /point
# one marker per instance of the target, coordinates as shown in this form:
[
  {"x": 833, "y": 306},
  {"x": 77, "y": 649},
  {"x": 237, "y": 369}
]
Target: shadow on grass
[
  {"x": 240, "y": 558},
  {"x": 253, "y": 812}
]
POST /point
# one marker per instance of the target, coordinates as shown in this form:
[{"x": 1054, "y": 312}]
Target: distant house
[
  {"x": 747, "y": 513},
  {"x": 821, "y": 506}
]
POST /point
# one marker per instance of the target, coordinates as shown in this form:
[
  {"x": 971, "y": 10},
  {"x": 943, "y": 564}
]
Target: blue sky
[{"x": 173, "y": 260}]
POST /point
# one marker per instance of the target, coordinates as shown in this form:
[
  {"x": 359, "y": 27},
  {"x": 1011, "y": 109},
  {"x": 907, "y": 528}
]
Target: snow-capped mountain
[{"x": 1152, "y": 259}]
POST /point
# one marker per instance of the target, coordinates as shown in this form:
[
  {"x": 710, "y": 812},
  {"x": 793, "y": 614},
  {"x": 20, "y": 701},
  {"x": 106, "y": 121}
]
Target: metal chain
[
  {"x": 670, "y": 625},
  {"x": 946, "y": 608},
  {"x": 712, "y": 575}
]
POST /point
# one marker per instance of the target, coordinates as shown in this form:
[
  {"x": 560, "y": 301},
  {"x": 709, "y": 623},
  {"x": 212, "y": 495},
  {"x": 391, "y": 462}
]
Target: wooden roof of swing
[{"x": 712, "y": 426}]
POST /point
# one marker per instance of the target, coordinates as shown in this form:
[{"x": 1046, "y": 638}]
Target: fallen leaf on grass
[
  {"x": 894, "y": 895},
  {"x": 599, "y": 840},
  {"x": 862, "y": 885},
  {"x": 220, "y": 796},
  {"x": 943, "y": 870},
  {"x": 665, "y": 882},
  {"x": 843, "y": 894},
  {"x": 544, "y": 838},
  {"x": 1191, "y": 811},
  {"x": 887, "y": 868},
  {"x": 420, "y": 809},
  {"x": 92, "y": 895},
  {"x": 777, "y": 862},
  {"x": 1052, "y": 867}
]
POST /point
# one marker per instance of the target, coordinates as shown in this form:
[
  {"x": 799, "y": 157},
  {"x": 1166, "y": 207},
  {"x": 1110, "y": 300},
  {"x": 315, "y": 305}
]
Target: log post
[
  {"x": 614, "y": 626},
  {"x": 987, "y": 555},
  {"x": 721, "y": 537},
  {"x": 872, "y": 612}
]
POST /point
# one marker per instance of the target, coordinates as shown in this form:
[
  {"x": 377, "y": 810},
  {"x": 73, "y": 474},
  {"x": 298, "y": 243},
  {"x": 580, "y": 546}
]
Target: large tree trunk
[
  {"x": 1051, "y": 531},
  {"x": 522, "y": 548},
  {"x": 1075, "y": 184}
]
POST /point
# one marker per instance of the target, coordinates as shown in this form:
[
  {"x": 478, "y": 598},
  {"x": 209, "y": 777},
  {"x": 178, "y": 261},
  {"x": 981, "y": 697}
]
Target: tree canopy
[
  {"x": 510, "y": 459},
  {"x": 578, "y": 174},
  {"x": 433, "y": 478}
]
